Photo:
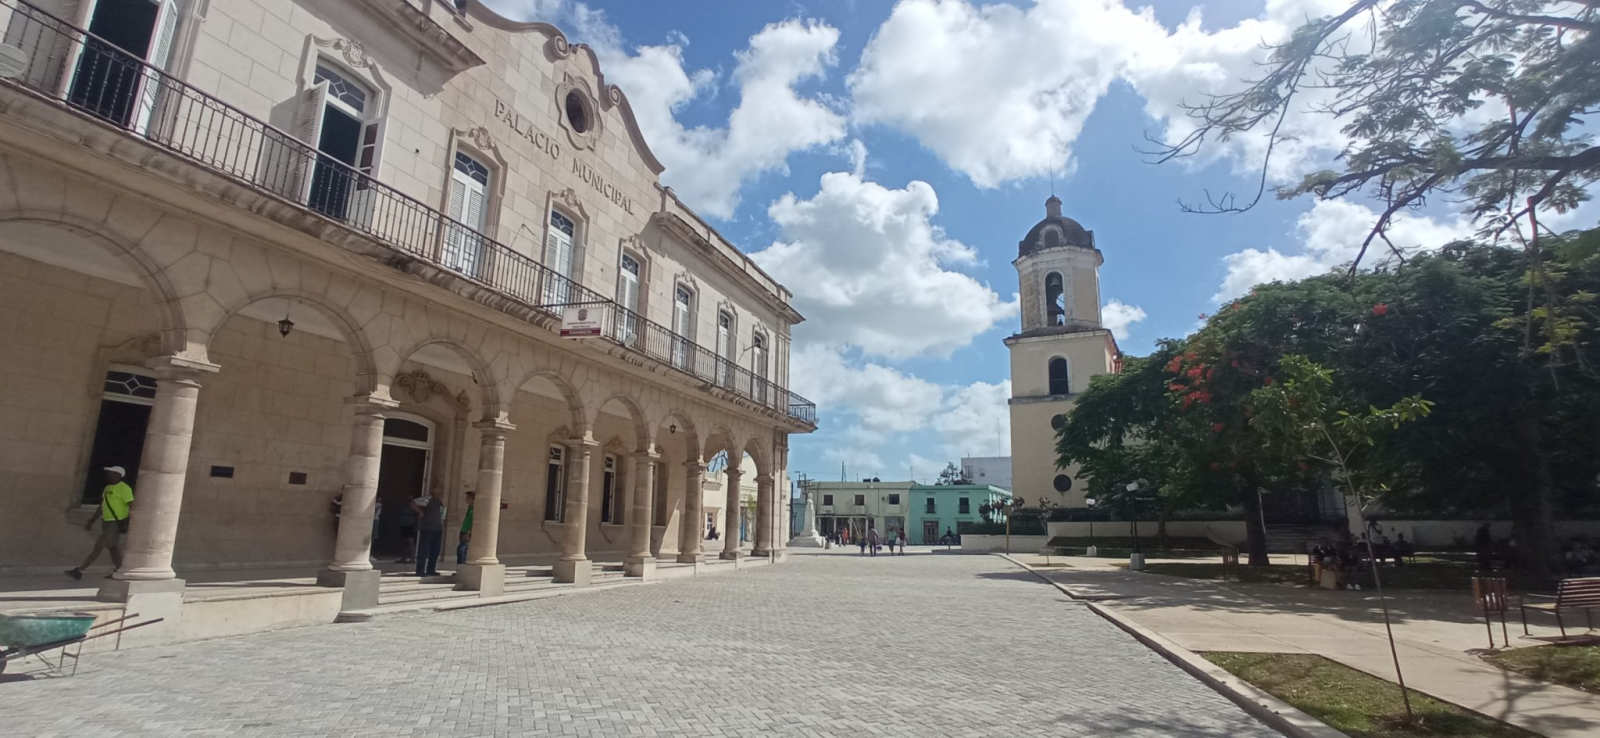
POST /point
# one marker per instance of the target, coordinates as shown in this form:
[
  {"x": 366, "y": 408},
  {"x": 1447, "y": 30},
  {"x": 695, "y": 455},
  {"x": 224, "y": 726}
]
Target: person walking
[
  {"x": 466, "y": 531},
  {"x": 408, "y": 533},
  {"x": 872, "y": 540},
  {"x": 116, "y": 504},
  {"x": 1483, "y": 545},
  {"x": 430, "y": 537}
]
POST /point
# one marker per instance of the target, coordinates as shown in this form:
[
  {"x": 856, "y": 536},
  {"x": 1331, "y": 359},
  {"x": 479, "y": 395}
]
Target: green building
[{"x": 937, "y": 508}]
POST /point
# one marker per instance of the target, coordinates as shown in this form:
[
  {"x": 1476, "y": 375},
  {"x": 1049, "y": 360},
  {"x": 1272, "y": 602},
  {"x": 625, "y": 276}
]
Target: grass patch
[
  {"x": 1429, "y": 575},
  {"x": 1357, "y": 704},
  {"x": 1573, "y": 666}
]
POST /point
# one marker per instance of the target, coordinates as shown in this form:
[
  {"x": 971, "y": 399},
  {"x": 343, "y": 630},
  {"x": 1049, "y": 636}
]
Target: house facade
[
  {"x": 267, "y": 255},
  {"x": 860, "y": 506},
  {"x": 937, "y": 509}
]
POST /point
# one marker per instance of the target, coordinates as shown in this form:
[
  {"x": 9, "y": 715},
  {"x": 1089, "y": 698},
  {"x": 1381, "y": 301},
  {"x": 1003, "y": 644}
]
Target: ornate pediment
[{"x": 419, "y": 387}]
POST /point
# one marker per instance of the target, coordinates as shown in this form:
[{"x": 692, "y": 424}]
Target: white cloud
[
  {"x": 708, "y": 165},
  {"x": 867, "y": 267},
  {"x": 888, "y": 405},
  {"x": 1332, "y": 232},
  {"x": 1001, "y": 92},
  {"x": 998, "y": 92},
  {"x": 1117, "y": 315}
]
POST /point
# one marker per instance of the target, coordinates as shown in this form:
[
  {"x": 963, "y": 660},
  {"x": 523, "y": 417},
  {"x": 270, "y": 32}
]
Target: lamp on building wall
[
  {"x": 286, "y": 325},
  {"x": 673, "y": 429}
]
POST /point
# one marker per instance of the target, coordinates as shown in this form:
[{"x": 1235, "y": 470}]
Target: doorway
[
  {"x": 403, "y": 472},
  {"x": 930, "y": 531},
  {"x": 109, "y": 78}
]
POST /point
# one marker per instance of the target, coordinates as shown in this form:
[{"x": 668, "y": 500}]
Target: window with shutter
[
  {"x": 758, "y": 366},
  {"x": 725, "y": 348},
  {"x": 628, "y": 297},
  {"x": 558, "y": 254},
  {"x": 150, "y": 87},
  {"x": 469, "y": 182},
  {"x": 682, "y": 326}
]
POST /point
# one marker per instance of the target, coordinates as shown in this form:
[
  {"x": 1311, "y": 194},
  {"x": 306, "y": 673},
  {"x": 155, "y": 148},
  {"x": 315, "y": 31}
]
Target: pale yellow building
[
  {"x": 263, "y": 253},
  {"x": 1062, "y": 344}
]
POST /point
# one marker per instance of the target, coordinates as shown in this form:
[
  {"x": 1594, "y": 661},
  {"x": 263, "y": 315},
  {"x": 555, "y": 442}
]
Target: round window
[
  {"x": 577, "y": 112},
  {"x": 1063, "y": 483},
  {"x": 1058, "y": 422}
]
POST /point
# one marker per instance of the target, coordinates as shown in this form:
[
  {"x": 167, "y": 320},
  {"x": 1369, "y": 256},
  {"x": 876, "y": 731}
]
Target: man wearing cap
[{"x": 115, "y": 503}]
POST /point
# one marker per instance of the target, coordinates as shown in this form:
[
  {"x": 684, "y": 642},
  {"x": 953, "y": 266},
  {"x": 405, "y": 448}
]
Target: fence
[{"x": 96, "y": 78}]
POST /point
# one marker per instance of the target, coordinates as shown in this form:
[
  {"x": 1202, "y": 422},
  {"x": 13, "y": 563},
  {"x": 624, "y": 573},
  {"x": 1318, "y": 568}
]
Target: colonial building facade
[
  {"x": 269, "y": 253},
  {"x": 1062, "y": 344}
]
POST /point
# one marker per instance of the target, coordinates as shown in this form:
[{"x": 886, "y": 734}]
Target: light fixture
[
  {"x": 286, "y": 325},
  {"x": 672, "y": 428}
]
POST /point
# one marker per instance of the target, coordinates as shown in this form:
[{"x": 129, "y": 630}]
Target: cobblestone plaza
[{"x": 827, "y": 644}]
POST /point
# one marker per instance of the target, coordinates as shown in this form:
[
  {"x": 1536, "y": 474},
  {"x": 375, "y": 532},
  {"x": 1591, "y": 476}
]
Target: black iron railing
[{"x": 95, "y": 77}]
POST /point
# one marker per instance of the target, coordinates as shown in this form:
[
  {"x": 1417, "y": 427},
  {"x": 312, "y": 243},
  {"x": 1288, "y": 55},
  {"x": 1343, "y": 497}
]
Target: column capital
[
  {"x": 694, "y": 467},
  {"x": 372, "y": 404},
  {"x": 645, "y": 456},
  {"x": 494, "y": 427},
  {"x": 174, "y": 367},
  {"x": 768, "y": 478},
  {"x": 580, "y": 444}
]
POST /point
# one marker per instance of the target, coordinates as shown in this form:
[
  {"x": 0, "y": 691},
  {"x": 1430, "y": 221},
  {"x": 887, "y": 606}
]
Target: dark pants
[{"x": 428, "y": 544}]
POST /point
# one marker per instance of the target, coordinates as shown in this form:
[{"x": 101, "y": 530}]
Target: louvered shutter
[
  {"x": 454, "y": 241},
  {"x": 160, "y": 50}
]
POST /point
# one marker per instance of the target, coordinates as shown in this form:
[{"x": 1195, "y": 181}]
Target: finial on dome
[{"x": 1052, "y": 207}]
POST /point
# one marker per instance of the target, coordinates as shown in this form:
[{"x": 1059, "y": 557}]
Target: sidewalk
[{"x": 1438, "y": 634}]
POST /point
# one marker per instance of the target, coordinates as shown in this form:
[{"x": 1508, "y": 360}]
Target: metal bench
[{"x": 1572, "y": 594}]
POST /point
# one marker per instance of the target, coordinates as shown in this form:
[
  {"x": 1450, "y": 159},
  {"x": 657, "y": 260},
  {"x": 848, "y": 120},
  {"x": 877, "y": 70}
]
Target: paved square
[{"x": 823, "y": 645}]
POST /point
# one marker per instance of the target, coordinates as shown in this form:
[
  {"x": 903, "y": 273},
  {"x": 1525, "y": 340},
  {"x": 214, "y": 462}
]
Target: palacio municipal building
[{"x": 267, "y": 254}]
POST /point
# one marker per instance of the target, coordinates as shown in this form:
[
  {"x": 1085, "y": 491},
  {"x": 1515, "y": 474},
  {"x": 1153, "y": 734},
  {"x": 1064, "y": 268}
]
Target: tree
[
  {"x": 953, "y": 474},
  {"x": 1486, "y": 99}
]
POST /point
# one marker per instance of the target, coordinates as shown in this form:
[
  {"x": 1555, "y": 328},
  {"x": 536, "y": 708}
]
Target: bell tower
[{"x": 1062, "y": 344}]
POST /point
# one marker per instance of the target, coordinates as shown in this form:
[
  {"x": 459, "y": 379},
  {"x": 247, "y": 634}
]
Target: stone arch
[
  {"x": 366, "y": 364},
  {"x": 174, "y": 325},
  {"x": 757, "y": 448},
  {"x": 494, "y": 405},
  {"x": 578, "y": 419},
  {"x": 686, "y": 428},
  {"x": 720, "y": 437},
  {"x": 641, "y": 430}
]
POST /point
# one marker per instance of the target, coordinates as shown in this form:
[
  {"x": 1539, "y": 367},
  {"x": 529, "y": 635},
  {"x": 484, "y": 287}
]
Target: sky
[{"x": 882, "y": 160}]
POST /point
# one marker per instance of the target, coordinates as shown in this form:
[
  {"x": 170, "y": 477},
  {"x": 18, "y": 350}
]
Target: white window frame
[
  {"x": 556, "y": 502},
  {"x": 727, "y": 346},
  {"x": 464, "y": 247},
  {"x": 558, "y": 284},
  {"x": 759, "y": 360},
  {"x": 683, "y": 320},
  {"x": 629, "y": 285}
]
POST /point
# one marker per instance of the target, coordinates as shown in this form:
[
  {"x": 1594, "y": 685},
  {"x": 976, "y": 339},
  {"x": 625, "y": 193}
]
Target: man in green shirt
[
  {"x": 116, "y": 503},
  {"x": 466, "y": 531}
]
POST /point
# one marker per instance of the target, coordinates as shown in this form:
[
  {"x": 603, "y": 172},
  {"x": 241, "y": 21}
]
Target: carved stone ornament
[
  {"x": 421, "y": 387},
  {"x": 569, "y": 197},
  {"x": 480, "y": 138},
  {"x": 634, "y": 243},
  {"x": 354, "y": 55}
]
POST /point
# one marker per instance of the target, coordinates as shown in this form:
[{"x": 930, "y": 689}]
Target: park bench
[
  {"x": 1490, "y": 594},
  {"x": 1572, "y": 594}
]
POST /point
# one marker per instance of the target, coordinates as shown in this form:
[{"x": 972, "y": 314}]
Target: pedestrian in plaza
[
  {"x": 862, "y": 542},
  {"x": 408, "y": 533},
  {"x": 466, "y": 531},
  {"x": 872, "y": 540},
  {"x": 430, "y": 537},
  {"x": 116, "y": 504},
  {"x": 1483, "y": 545}
]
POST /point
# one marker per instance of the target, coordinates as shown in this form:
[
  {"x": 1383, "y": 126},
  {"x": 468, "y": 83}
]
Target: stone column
[
  {"x": 694, "y": 512},
  {"x": 351, "y": 567},
  {"x": 573, "y": 566},
  {"x": 163, "y": 467},
  {"x": 730, "y": 526},
  {"x": 764, "y": 516},
  {"x": 483, "y": 571},
  {"x": 639, "y": 562}
]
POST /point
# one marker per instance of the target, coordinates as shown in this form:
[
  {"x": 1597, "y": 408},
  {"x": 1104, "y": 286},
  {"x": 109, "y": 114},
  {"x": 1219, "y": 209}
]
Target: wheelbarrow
[{"x": 22, "y": 636}]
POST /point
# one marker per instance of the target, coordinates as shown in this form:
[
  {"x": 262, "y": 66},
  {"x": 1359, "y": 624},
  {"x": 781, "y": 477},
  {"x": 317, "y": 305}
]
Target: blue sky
[{"x": 884, "y": 158}]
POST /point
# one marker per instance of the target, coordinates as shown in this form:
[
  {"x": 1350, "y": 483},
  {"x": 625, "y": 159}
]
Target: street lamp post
[
  {"x": 1092, "y": 551},
  {"x": 1010, "y": 505},
  {"x": 1135, "y": 559}
]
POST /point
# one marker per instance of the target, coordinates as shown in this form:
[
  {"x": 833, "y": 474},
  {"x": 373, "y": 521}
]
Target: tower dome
[{"x": 1055, "y": 231}]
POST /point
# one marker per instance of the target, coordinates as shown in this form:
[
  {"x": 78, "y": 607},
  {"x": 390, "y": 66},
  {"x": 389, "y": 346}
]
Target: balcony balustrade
[{"x": 93, "y": 77}]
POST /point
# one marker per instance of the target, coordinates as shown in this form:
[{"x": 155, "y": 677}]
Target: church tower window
[
  {"x": 1055, "y": 299},
  {"x": 1059, "y": 379}
]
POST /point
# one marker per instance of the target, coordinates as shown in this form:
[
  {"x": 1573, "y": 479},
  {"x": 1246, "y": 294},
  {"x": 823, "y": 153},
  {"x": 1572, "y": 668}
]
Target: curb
[{"x": 1271, "y": 711}]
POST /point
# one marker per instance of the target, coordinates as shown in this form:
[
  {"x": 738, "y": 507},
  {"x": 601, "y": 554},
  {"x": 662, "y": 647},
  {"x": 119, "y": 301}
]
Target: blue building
[{"x": 940, "y": 508}]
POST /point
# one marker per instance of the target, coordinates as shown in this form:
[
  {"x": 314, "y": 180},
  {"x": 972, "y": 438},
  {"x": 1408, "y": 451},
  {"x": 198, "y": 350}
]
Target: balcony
[{"x": 94, "y": 78}]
